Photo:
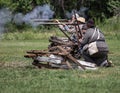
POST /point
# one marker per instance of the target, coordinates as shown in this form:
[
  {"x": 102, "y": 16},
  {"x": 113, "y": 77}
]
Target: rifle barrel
[
  {"x": 54, "y": 23},
  {"x": 49, "y": 20}
]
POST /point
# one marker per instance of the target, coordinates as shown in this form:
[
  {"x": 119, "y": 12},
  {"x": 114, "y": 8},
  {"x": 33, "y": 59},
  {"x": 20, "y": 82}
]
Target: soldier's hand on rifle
[
  {"x": 80, "y": 40},
  {"x": 60, "y": 22},
  {"x": 57, "y": 21}
]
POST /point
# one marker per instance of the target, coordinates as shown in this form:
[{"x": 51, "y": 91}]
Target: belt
[{"x": 100, "y": 40}]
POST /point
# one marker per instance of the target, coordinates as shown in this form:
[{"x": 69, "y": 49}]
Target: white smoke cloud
[
  {"x": 80, "y": 12},
  {"x": 40, "y": 12},
  {"x": 18, "y": 18},
  {"x": 83, "y": 11},
  {"x": 5, "y": 17}
]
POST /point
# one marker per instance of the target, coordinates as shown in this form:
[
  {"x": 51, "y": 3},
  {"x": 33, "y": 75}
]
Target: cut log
[{"x": 69, "y": 56}]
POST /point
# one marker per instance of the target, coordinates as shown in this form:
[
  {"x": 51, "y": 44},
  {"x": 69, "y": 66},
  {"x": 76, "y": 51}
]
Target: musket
[
  {"x": 54, "y": 23},
  {"x": 66, "y": 35},
  {"x": 48, "y": 20},
  {"x": 77, "y": 30}
]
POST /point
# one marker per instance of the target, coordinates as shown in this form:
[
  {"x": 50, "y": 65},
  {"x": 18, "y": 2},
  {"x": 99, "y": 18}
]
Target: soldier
[
  {"x": 71, "y": 28},
  {"x": 92, "y": 34}
]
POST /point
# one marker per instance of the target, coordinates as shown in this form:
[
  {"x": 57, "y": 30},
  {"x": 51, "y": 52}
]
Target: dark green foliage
[
  {"x": 97, "y": 8},
  {"x": 114, "y": 7},
  {"x": 4, "y": 3},
  {"x": 25, "y": 6}
]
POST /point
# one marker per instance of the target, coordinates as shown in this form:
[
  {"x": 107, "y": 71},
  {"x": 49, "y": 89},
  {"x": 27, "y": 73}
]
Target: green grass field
[{"x": 17, "y": 75}]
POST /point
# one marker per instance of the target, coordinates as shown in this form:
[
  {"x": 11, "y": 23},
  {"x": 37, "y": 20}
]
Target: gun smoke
[
  {"x": 5, "y": 17},
  {"x": 39, "y": 12},
  {"x": 81, "y": 12}
]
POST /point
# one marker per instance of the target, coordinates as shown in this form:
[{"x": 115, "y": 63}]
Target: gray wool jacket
[{"x": 89, "y": 37}]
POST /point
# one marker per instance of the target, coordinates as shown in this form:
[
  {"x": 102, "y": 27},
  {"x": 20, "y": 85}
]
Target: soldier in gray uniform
[{"x": 101, "y": 57}]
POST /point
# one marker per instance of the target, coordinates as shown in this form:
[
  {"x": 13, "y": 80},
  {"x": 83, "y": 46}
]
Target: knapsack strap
[{"x": 96, "y": 30}]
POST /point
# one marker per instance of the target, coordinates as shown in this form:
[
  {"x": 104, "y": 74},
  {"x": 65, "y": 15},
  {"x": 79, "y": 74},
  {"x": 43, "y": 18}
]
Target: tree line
[{"x": 101, "y": 9}]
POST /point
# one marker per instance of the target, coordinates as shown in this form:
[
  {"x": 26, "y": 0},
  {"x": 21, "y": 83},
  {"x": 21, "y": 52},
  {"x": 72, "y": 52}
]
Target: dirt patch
[{"x": 14, "y": 64}]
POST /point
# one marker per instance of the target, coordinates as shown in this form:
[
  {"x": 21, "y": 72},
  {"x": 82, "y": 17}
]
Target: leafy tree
[
  {"x": 4, "y": 3},
  {"x": 114, "y": 7},
  {"x": 97, "y": 8}
]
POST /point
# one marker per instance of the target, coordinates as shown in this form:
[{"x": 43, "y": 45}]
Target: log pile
[{"x": 61, "y": 53}]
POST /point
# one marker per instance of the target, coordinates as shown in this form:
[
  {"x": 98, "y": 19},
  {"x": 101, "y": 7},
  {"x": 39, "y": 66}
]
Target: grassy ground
[{"x": 17, "y": 75}]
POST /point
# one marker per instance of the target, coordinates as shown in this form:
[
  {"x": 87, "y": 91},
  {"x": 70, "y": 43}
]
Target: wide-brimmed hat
[{"x": 81, "y": 19}]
